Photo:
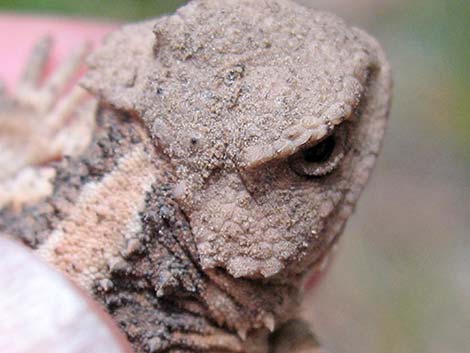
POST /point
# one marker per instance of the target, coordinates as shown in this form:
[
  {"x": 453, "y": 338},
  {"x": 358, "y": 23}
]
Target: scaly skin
[{"x": 231, "y": 143}]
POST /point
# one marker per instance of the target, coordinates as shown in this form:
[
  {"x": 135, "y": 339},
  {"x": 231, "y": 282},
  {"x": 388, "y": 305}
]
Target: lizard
[{"x": 201, "y": 170}]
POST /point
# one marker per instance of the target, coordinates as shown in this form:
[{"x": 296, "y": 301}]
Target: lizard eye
[
  {"x": 321, "y": 152},
  {"x": 320, "y": 159}
]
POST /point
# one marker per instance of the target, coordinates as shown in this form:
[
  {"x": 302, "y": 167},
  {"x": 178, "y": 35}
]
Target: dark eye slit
[{"x": 321, "y": 152}]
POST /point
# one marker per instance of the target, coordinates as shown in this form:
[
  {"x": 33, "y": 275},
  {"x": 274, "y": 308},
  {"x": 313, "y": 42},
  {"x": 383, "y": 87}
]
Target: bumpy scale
[{"x": 223, "y": 150}]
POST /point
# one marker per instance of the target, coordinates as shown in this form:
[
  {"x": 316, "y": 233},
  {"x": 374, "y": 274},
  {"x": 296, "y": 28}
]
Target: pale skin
[{"x": 210, "y": 173}]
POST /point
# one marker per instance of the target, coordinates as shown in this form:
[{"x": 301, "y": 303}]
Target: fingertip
[{"x": 42, "y": 311}]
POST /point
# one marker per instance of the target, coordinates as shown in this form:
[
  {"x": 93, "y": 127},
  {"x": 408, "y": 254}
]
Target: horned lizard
[{"x": 211, "y": 170}]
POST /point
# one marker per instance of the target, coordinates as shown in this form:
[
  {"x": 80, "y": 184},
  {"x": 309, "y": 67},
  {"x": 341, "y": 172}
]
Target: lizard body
[{"x": 228, "y": 146}]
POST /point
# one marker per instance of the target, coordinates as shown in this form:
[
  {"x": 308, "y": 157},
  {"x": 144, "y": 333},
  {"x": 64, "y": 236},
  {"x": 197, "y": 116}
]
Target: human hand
[{"x": 40, "y": 309}]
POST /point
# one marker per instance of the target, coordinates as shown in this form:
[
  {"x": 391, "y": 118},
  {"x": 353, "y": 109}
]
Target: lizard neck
[
  {"x": 161, "y": 279},
  {"x": 114, "y": 227}
]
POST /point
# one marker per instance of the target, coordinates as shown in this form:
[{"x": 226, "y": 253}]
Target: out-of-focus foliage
[
  {"x": 110, "y": 9},
  {"x": 435, "y": 36}
]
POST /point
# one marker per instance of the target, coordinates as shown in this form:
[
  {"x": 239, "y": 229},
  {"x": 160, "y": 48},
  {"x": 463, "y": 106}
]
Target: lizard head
[{"x": 270, "y": 114}]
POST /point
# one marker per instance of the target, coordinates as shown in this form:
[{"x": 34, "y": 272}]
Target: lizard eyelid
[{"x": 294, "y": 140}]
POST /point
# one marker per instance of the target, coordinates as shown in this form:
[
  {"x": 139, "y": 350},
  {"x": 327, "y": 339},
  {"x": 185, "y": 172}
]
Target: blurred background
[{"x": 401, "y": 280}]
